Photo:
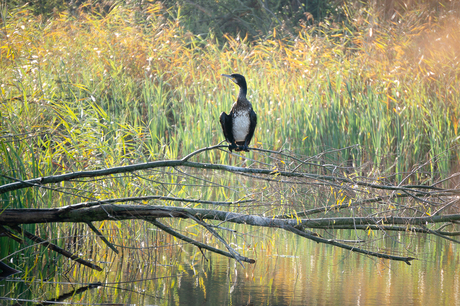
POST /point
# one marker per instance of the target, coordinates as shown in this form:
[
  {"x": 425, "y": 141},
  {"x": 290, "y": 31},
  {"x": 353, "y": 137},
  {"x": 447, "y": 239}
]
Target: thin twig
[
  {"x": 235, "y": 254},
  {"x": 100, "y": 235},
  {"x": 172, "y": 232},
  {"x": 146, "y": 198},
  {"x": 55, "y": 248}
]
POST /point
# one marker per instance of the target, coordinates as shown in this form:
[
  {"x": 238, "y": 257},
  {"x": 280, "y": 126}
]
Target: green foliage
[
  {"x": 41, "y": 7},
  {"x": 255, "y": 19},
  {"x": 95, "y": 91}
]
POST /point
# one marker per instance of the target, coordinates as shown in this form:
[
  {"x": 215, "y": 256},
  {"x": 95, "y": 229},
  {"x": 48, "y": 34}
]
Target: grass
[
  {"x": 138, "y": 86},
  {"x": 89, "y": 91}
]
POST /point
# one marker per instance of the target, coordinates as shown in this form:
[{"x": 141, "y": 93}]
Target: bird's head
[{"x": 238, "y": 79}]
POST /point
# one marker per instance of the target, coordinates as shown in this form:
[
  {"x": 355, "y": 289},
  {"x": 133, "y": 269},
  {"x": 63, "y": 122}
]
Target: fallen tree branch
[
  {"x": 385, "y": 205},
  {"x": 123, "y": 212},
  {"x": 394, "y": 228},
  {"x": 127, "y": 212}
]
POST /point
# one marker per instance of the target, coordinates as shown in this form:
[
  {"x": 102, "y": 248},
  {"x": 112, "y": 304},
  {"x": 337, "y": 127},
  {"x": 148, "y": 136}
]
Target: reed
[
  {"x": 95, "y": 91},
  {"x": 92, "y": 91}
]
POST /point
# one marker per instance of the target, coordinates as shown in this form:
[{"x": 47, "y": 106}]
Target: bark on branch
[
  {"x": 147, "y": 212},
  {"x": 42, "y": 181},
  {"x": 127, "y": 212}
]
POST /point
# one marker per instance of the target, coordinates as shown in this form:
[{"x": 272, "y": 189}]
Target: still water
[{"x": 289, "y": 271}]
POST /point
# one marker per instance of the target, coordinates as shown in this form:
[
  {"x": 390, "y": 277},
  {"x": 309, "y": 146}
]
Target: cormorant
[{"x": 239, "y": 125}]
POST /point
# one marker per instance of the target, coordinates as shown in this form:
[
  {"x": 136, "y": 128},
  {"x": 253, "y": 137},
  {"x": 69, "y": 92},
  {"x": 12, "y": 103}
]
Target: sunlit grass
[
  {"x": 89, "y": 92},
  {"x": 98, "y": 91}
]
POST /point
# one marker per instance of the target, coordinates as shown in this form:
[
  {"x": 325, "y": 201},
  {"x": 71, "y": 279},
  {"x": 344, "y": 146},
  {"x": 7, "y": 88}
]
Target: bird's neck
[{"x": 242, "y": 94}]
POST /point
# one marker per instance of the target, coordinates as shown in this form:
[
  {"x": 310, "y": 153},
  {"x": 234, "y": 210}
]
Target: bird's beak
[{"x": 230, "y": 77}]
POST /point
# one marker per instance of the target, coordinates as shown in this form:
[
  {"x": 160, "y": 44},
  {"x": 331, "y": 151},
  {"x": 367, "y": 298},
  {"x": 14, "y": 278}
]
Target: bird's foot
[
  {"x": 233, "y": 147},
  {"x": 242, "y": 148}
]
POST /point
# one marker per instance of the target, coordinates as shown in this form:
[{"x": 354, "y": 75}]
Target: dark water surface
[{"x": 289, "y": 271}]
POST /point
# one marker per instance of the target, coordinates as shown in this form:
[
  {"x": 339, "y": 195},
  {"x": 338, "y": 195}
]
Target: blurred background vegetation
[{"x": 255, "y": 18}]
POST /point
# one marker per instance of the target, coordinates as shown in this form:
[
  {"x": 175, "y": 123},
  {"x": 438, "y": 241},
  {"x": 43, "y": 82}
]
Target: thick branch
[
  {"x": 120, "y": 212},
  {"x": 125, "y": 212}
]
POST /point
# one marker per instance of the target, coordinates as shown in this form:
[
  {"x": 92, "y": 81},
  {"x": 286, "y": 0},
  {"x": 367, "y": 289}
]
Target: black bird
[{"x": 239, "y": 125}]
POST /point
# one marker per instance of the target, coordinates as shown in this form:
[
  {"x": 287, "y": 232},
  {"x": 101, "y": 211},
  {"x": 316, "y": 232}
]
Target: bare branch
[
  {"x": 348, "y": 247},
  {"x": 172, "y": 232},
  {"x": 38, "y": 182},
  {"x": 375, "y": 203},
  {"x": 55, "y": 248},
  {"x": 99, "y": 234}
]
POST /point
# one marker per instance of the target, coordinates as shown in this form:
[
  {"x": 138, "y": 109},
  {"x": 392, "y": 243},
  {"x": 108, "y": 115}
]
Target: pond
[{"x": 290, "y": 270}]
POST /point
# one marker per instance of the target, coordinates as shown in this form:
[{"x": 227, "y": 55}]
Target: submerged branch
[{"x": 123, "y": 212}]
